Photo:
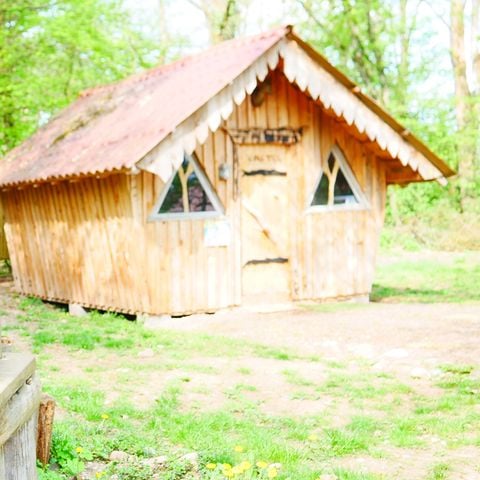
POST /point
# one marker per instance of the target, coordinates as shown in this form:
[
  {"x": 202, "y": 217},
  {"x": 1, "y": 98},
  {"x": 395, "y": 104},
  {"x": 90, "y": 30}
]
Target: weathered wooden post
[
  {"x": 45, "y": 428},
  {"x": 19, "y": 401}
]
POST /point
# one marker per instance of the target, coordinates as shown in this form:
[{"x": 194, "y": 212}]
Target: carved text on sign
[
  {"x": 263, "y": 158},
  {"x": 256, "y": 136}
]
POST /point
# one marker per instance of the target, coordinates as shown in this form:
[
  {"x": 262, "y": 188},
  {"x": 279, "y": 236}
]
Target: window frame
[
  {"x": 362, "y": 202},
  {"x": 219, "y": 211}
]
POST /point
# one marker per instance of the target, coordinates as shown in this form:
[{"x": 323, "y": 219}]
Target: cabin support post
[{"x": 19, "y": 400}]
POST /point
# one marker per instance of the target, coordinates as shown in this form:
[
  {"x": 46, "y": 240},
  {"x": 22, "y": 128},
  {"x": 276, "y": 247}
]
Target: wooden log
[{"x": 45, "y": 426}]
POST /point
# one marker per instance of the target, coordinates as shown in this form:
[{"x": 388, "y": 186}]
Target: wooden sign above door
[{"x": 269, "y": 136}]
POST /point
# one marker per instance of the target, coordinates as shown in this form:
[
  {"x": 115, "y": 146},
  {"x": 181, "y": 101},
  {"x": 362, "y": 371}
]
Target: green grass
[
  {"x": 343, "y": 474},
  {"x": 295, "y": 378},
  {"x": 457, "y": 369},
  {"x": 361, "y": 413},
  {"x": 100, "y": 427},
  {"x": 112, "y": 332},
  {"x": 428, "y": 280},
  {"x": 352, "y": 439},
  {"x": 363, "y": 385},
  {"x": 439, "y": 472},
  {"x": 5, "y": 268},
  {"x": 244, "y": 370}
]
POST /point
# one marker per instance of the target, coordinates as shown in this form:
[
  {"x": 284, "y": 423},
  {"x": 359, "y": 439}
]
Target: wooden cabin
[{"x": 254, "y": 172}]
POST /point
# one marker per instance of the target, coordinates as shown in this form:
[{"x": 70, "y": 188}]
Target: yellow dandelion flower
[
  {"x": 228, "y": 473},
  {"x": 272, "y": 472},
  {"x": 313, "y": 437},
  {"x": 245, "y": 465},
  {"x": 226, "y": 466},
  {"x": 237, "y": 470},
  {"x": 104, "y": 416},
  {"x": 99, "y": 474},
  {"x": 211, "y": 466},
  {"x": 239, "y": 448},
  {"x": 79, "y": 449},
  {"x": 261, "y": 464}
]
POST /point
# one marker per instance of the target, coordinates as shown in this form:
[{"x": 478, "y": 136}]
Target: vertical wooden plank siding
[
  {"x": 90, "y": 242},
  {"x": 333, "y": 254},
  {"x": 3, "y": 240}
]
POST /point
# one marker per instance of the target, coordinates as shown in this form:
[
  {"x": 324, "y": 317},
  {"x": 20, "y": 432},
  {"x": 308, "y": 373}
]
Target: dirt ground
[
  {"x": 398, "y": 337},
  {"x": 409, "y": 341}
]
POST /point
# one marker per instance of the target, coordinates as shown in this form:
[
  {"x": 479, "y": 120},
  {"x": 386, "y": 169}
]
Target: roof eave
[{"x": 375, "y": 107}]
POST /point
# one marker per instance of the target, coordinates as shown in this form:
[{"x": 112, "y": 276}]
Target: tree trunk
[
  {"x": 464, "y": 103},
  {"x": 475, "y": 45}
]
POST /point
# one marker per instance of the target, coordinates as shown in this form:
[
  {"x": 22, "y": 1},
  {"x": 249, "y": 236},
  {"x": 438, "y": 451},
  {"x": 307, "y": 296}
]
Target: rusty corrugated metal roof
[{"x": 111, "y": 128}]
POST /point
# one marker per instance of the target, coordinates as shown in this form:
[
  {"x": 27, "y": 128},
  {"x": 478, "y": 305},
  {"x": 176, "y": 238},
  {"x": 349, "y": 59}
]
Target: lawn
[
  {"x": 179, "y": 405},
  {"x": 427, "y": 277}
]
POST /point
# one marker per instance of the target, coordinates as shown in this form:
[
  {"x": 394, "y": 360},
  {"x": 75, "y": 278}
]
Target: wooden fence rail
[{"x": 19, "y": 402}]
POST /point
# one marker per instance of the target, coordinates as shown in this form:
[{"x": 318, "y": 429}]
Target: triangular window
[
  {"x": 188, "y": 194},
  {"x": 337, "y": 186}
]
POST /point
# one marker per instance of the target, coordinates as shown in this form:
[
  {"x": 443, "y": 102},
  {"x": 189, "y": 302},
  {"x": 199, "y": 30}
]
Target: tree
[
  {"x": 223, "y": 17},
  {"x": 370, "y": 40},
  {"x": 50, "y": 50},
  {"x": 467, "y": 92}
]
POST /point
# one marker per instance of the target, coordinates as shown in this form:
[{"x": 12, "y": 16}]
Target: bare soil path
[
  {"x": 411, "y": 342},
  {"x": 412, "y": 335}
]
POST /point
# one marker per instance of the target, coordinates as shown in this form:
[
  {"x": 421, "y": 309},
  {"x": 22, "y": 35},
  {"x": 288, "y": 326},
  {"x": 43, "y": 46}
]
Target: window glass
[
  {"x": 321, "y": 193},
  {"x": 187, "y": 192},
  {"x": 341, "y": 192}
]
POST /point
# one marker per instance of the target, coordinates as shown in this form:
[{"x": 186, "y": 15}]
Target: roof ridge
[{"x": 179, "y": 63}]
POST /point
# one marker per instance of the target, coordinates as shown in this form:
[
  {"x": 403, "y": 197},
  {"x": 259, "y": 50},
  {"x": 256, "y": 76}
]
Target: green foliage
[
  {"x": 223, "y": 17},
  {"x": 70, "y": 459},
  {"x": 382, "y": 46},
  {"x": 431, "y": 280},
  {"x": 50, "y": 51},
  {"x": 355, "y": 35},
  {"x": 46, "y": 474}
]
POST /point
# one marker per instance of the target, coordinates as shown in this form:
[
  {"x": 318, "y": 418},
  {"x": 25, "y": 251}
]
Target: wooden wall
[
  {"x": 89, "y": 241},
  {"x": 3, "y": 239},
  {"x": 334, "y": 252},
  {"x": 182, "y": 274}
]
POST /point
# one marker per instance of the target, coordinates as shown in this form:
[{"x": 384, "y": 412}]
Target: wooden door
[{"x": 265, "y": 206}]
